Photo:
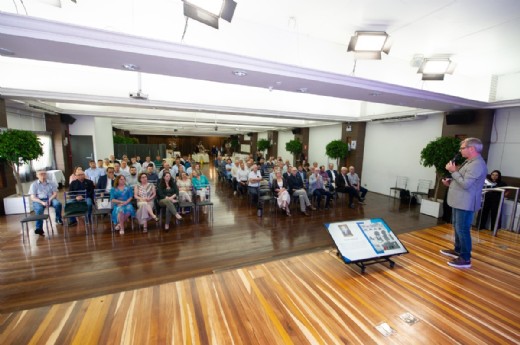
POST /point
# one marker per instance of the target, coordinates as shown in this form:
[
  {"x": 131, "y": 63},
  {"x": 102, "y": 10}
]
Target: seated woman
[
  {"x": 168, "y": 192},
  {"x": 121, "y": 198},
  {"x": 492, "y": 201},
  {"x": 144, "y": 193},
  {"x": 200, "y": 185},
  {"x": 280, "y": 188},
  {"x": 185, "y": 187}
]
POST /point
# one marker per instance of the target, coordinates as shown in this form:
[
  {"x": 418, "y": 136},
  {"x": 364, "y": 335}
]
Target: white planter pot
[
  {"x": 431, "y": 208},
  {"x": 13, "y": 204}
]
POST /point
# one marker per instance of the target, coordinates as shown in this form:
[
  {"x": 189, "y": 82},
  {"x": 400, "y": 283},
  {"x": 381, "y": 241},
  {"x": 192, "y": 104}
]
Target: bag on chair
[{"x": 76, "y": 207}]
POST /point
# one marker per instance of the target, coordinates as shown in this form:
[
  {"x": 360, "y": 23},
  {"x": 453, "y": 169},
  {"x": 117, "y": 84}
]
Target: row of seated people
[
  {"x": 96, "y": 171},
  {"x": 169, "y": 192},
  {"x": 286, "y": 182}
]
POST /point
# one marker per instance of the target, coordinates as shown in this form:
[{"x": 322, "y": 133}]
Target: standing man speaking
[{"x": 464, "y": 196}]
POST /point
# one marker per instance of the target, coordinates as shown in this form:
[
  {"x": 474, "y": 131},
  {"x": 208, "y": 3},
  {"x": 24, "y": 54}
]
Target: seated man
[
  {"x": 150, "y": 172},
  {"x": 242, "y": 178},
  {"x": 135, "y": 163},
  {"x": 333, "y": 175},
  {"x": 297, "y": 188},
  {"x": 44, "y": 193},
  {"x": 343, "y": 186},
  {"x": 93, "y": 172},
  {"x": 317, "y": 188},
  {"x": 106, "y": 182},
  {"x": 229, "y": 167},
  {"x": 118, "y": 171},
  {"x": 82, "y": 184},
  {"x": 355, "y": 182},
  {"x": 253, "y": 185},
  {"x": 131, "y": 180}
]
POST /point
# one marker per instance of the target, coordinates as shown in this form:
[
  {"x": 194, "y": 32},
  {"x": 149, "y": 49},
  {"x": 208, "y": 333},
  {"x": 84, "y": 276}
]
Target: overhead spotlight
[
  {"x": 216, "y": 128},
  {"x": 369, "y": 44},
  {"x": 436, "y": 68},
  {"x": 209, "y": 11}
]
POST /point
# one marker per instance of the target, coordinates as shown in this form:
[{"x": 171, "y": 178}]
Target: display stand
[{"x": 365, "y": 242}]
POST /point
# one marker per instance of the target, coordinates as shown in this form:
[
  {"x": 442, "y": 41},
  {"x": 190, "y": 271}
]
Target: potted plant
[
  {"x": 294, "y": 146},
  {"x": 436, "y": 154},
  {"x": 336, "y": 149},
  {"x": 235, "y": 144},
  {"x": 18, "y": 147},
  {"x": 263, "y": 144}
]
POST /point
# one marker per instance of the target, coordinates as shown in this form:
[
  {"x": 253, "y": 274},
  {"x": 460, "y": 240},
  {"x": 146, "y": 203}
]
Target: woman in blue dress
[{"x": 121, "y": 197}]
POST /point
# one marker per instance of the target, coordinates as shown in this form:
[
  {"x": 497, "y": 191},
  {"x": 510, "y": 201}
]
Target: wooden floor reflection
[
  {"x": 73, "y": 265},
  {"x": 305, "y": 299}
]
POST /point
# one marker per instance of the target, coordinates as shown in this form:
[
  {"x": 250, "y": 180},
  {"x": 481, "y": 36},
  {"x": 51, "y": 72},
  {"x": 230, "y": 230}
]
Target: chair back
[
  {"x": 424, "y": 186},
  {"x": 102, "y": 199},
  {"x": 401, "y": 182}
]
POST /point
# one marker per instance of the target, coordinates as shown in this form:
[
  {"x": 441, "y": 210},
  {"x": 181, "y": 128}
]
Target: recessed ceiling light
[
  {"x": 240, "y": 73},
  {"x": 130, "y": 67},
  {"x": 302, "y": 89},
  {"x": 6, "y": 52}
]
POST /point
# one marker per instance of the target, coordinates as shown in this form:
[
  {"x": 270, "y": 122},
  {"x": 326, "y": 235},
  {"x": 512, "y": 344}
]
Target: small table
[{"x": 56, "y": 176}]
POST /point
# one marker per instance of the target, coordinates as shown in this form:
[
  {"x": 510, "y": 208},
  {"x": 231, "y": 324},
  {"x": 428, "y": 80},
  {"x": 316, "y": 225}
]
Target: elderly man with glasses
[
  {"x": 44, "y": 194},
  {"x": 464, "y": 196}
]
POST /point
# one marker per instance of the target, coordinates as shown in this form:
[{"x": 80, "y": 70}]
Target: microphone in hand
[{"x": 457, "y": 156}]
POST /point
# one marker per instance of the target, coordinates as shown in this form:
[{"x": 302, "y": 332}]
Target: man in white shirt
[
  {"x": 93, "y": 172},
  {"x": 125, "y": 167},
  {"x": 253, "y": 185},
  {"x": 242, "y": 178},
  {"x": 43, "y": 194},
  {"x": 355, "y": 182},
  {"x": 234, "y": 171},
  {"x": 136, "y": 164}
]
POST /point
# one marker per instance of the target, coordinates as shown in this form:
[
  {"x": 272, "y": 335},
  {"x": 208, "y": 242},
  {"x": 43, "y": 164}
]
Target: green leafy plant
[
  {"x": 18, "y": 147},
  {"x": 294, "y": 146},
  {"x": 121, "y": 139},
  {"x": 336, "y": 149},
  {"x": 437, "y": 153},
  {"x": 235, "y": 144},
  {"x": 263, "y": 144}
]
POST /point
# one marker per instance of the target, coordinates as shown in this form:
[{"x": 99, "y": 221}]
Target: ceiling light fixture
[
  {"x": 130, "y": 67},
  {"x": 209, "y": 11},
  {"x": 436, "y": 68},
  {"x": 6, "y": 52},
  {"x": 303, "y": 89},
  {"x": 369, "y": 44},
  {"x": 240, "y": 73}
]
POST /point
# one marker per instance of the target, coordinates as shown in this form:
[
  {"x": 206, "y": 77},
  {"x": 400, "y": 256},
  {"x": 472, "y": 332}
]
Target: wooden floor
[
  {"x": 224, "y": 281},
  {"x": 305, "y": 299}
]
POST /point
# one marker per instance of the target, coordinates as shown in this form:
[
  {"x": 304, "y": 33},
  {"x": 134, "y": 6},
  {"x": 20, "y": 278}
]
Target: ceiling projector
[{"x": 138, "y": 95}]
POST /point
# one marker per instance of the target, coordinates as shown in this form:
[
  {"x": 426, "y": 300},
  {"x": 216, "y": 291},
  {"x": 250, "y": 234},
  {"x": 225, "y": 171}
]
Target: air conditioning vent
[{"x": 400, "y": 118}]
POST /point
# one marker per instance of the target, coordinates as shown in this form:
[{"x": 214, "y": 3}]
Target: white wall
[
  {"x": 101, "y": 131},
  {"x": 393, "y": 149},
  {"x": 26, "y": 120},
  {"x": 505, "y": 143},
  {"x": 283, "y": 138},
  {"x": 103, "y": 138},
  {"x": 319, "y": 137}
]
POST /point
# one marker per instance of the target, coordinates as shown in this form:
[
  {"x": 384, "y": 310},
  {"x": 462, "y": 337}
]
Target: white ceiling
[{"x": 68, "y": 57}]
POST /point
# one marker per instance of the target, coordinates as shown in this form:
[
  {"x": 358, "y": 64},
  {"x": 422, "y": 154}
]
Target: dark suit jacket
[
  {"x": 330, "y": 172},
  {"x": 102, "y": 182},
  {"x": 295, "y": 182},
  {"x": 340, "y": 182},
  {"x": 87, "y": 185},
  {"x": 274, "y": 186}
]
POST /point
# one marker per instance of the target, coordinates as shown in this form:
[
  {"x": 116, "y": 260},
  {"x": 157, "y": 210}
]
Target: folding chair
[
  {"x": 76, "y": 211},
  {"x": 265, "y": 195},
  {"x": 401, "y": 183},
  {"x": 206, "y": 203},
  {"x": 423, "y": 189},
  {"x": 102, "y": 206},
  {"x": 34, "y": 217},
  {"x": 189, "y": 205}
]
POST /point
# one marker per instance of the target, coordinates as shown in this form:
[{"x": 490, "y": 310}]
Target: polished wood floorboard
[
  {"x": 305, "y": 299},
  {"x": 73, "y": 265}
]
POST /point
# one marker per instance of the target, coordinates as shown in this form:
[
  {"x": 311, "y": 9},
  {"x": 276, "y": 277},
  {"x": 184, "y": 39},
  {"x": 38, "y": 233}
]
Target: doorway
[{"x": 82, "y": 148}]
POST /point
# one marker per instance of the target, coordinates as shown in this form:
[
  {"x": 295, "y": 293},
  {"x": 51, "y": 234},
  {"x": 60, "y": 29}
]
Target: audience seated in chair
[
  {"x": 253, "y": 183},
  {"x": 317, "y": 187},
  {"x": 82, "y": 184},
  {"x": 297, "y": 189},
  {"x": 200, "y": 186},
  {"x": 121, "y": 198},
  {"x": 144, "y": 194},
  {"x": 280, "y": 188},
  {"x": 106, "y": 182},
  {"x": 93, "y": 172},
  {"x": 43, "y": 194},
  {"x": 343, "y": 186},
  {"x": 355, "y": 182},
  {"x": 242, "y": 179},
  {"x": 168, "y": 194}
]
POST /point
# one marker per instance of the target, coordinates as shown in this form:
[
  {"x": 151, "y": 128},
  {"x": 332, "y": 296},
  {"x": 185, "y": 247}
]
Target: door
[{"x": 82, "y": 148}]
